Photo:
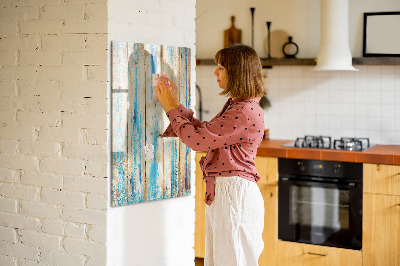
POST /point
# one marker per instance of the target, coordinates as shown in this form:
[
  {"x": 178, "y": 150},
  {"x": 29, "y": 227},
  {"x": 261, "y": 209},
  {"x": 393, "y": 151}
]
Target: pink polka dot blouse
[{"x": 231, "y": 139}]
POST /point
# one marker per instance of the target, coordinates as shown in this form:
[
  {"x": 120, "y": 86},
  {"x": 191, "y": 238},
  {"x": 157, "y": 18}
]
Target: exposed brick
[
  {"x": 60, "y": 73},
  {"x": 87, "y": 88},
  {"x": 53, "y": 227},
  {"x": 8, "y": 234},
  {"x": 8, "y": 205},
  {"x": 75, "y": 230},
  {"x": 35, "y": 239},
  {"x": 94, "y": 168},
  {"x": 40, "y": 58},
  {"x": 84, "y": 247},
  {"x": 8, "y": 261},
  {"x": 41, "y": 179},
  {"x": 17, "y": 191},
  {"x": 34, "y": 2},
  {"x": 62, "y": 166},
  {"x": 8, "y": 117},
  {"x": 84, "y": 216},
  {"x": 97, "y": 234},
  {"x": 62, "y": 12},
  {"x": 66, "y": 42},
  {"x": 25, "y": 262},
  {"x": 97, "y": 11},
  {"x": 8, "y": 145},
  {"x": 40, "y": 27},
  {"x": 40, "y": 148},
  {"x": 98, "y": 121},
  {"x": 6, "y": 103},
  {"x": 98, "y": 73},
  {"x": 39, "y": 118},
  {"x": 62, "y": 104},
  {"x": 26, "y": 103},
  {"x": 7, "y": 88},
  {"x": 86, "y": 184},
  {"x": 19, "y": 251},
  {"x": 16, "y": 132},
  {"x": 18, "y": 161},
  {"x": 63, "y": 197},
  {"x": 68, "y": 135},
  {"x": 88, "y": 57},
  {"x": 84, "y": 26},
  {"x": 99, "y": 260},
  {"x": 7, "y": 175},
  {"x": 19, "y": 221},
  {"x": 18, "y": 72},
  {"x": 97, "y": 42},
  {"x": 19, "y": 13},
  {"x": 61, "y": 259},
  {"x": 38, "y": 209},
  {"x": 8, "y": 58},
  {"x": 39, "y": 87},
  {"x": 19, "y": 43},
  {"x": 96, "y": 137},
  {"x": 95, "y": 105},
  {"x": 85, "y": 152}
]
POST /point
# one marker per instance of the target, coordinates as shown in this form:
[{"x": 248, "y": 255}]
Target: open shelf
[{"x": 265, "y": 62}]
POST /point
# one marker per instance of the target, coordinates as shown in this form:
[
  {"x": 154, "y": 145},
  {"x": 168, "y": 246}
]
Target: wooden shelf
[{"x": 312, "y": 61}]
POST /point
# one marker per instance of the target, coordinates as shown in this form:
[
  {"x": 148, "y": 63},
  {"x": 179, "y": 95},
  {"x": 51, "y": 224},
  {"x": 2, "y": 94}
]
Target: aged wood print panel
[{"x": 146, "y": 167}]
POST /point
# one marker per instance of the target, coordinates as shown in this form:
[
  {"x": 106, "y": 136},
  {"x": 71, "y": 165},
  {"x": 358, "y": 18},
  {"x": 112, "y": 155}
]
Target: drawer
[{"x": 381, "y": 179}]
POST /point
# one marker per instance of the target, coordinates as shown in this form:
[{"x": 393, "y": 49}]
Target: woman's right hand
[{"x": 174, "y": 89}]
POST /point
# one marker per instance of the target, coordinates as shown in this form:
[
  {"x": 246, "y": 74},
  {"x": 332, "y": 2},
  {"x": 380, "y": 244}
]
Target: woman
[{"x": 235, "y": 207}]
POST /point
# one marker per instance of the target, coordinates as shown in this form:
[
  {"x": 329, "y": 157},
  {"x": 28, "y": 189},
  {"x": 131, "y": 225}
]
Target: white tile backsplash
[{"x": 364, "y": 103}]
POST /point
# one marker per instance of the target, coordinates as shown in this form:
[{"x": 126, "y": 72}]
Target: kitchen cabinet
[
  {"x": 381, "y": 179},
  {"x": 381, "y": 215},
  {"x": 298, "y": 254},
  {"x": 270, "y": 233},
  {"x": 200, "y": 207}
]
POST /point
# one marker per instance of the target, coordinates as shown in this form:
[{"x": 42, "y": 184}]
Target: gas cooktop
[{"x": 325, "y": 142}]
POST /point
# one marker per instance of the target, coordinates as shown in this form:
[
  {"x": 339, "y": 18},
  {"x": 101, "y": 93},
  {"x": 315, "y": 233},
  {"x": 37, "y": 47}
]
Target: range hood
[{"x": 334, "y": 51}]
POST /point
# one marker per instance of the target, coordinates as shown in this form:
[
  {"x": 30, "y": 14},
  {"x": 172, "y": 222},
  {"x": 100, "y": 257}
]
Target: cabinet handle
[
  {"x": 398, "y": 204},
  {"x": 318, "y": 254}
]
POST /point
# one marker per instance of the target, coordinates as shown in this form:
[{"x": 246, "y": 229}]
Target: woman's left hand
[{"x": 164, "y": 96}]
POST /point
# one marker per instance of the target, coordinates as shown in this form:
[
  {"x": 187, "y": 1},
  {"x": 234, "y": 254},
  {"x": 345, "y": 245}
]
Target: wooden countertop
[{"x": 379, "y": 154}]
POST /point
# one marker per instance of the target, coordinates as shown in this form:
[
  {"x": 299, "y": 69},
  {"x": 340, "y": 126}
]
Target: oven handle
[{"x": 297, "y": 181}]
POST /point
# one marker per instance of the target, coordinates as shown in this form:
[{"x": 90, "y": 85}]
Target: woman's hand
[
  {"x": 164, "y": 94},
  {"x": 174, "y": 90}
]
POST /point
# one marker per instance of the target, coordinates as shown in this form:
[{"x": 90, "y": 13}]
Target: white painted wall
[
  {"x": 338, "y": 104},
  {"x": 160, "y": 232},
  {"x": 299, "y": 18}
]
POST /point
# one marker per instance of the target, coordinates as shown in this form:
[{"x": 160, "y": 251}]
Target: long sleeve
[
  {"x": 188, "y": 114},
  {"x": 223, "y": 131}
]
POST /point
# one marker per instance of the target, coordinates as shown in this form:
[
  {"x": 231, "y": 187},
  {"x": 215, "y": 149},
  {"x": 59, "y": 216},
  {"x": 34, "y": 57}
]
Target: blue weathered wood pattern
[{"x": 137, "y": 121}]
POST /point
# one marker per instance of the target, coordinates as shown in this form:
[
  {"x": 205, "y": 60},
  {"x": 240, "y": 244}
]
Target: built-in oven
[{"x": 320, "y": 202}]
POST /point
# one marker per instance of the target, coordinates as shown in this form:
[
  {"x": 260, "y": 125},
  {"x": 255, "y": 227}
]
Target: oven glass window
[{"x": 318, "y": 207}]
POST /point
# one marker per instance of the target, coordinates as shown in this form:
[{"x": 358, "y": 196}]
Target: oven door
[{"x": 320, "y": 212}]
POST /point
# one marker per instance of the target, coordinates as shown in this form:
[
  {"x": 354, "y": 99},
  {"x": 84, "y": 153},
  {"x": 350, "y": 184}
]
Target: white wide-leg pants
[{"x": 234, "y": 223}]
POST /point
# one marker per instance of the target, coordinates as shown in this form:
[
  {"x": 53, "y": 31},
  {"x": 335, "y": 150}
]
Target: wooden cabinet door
[
  {"x": 267, "y": 168},
  {"x": 381, "y": 179},
  {"x": 297, "y": 254},
  {"x": 381, "y": 230},
  {"x": 200, "y": 207},
  {"x": 270, "y": 233}
]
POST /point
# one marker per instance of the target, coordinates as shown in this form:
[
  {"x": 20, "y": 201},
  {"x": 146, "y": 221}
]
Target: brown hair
[{"x": 245, "y": 78}]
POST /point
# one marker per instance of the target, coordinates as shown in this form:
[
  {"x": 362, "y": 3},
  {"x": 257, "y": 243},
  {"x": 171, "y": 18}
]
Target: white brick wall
[{"x": 53, "y": 115}]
